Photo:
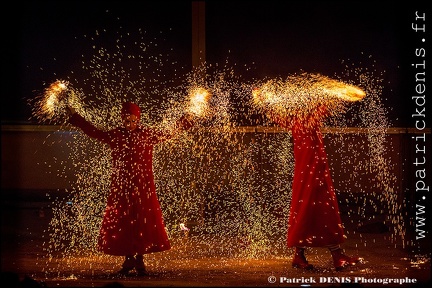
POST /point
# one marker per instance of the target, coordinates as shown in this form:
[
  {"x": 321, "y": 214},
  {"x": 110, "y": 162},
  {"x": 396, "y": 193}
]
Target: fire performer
[
  {"x": 133, "y": 223},
  {"x": 314, "y": 219}
]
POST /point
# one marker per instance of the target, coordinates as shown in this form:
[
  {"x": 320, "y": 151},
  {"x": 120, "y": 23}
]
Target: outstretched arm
[{"x": 88, "y": 128}]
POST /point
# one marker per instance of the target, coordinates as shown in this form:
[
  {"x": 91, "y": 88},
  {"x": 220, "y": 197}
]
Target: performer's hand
[{"x": 71, "y": 110}]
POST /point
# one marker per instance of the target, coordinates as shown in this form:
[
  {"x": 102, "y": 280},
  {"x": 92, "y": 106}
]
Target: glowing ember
[
  {"x": 52, "y": 104},
  {"x": 300, "y": 94},
  {"x": 342, "y": 90},
  {"x": 199, "y": 98},
  {"x": 53, "y": 96}
]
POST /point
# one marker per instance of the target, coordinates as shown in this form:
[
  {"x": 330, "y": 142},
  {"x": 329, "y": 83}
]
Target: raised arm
[{"x": 87, "y": 127}]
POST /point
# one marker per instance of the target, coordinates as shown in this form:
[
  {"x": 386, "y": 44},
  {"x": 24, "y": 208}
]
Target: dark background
[{"x": 45, "y": 40}]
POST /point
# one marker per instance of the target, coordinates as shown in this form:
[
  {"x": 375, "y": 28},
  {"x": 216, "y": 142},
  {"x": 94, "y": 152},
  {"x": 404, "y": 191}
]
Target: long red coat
[
  {"x": 133, "y": 221},
  {"x": 314, "y": 219}
]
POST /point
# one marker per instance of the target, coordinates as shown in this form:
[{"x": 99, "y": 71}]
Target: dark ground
[{"x": 24, "y": 258}]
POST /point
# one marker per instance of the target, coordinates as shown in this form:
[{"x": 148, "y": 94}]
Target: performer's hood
[{"x": 130, "y": 108}]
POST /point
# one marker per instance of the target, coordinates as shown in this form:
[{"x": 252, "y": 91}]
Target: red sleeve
[{"x": 88, "y": 128}]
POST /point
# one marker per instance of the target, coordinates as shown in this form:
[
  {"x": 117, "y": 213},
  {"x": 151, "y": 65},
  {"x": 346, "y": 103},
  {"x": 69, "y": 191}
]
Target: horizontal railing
[{"x": 236, "y": 129}]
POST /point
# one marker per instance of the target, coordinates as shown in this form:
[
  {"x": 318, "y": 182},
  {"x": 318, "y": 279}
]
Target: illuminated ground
[{"x": 22, "y": 253}]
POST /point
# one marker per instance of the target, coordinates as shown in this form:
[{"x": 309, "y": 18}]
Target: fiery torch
[
  {"x": 299, "y": 95},
  {"x": 199, "y": 101},
  {"x": 51, "y": 105},
  {"x": 54, "y": 95}
]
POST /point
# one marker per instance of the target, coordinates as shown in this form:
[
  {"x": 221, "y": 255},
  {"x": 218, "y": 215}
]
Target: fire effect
[
  {"x": 299, "y": 95},
  {"x": 199, "y": 101},
  {"x": 232, "y": 187},
  {"x": 52, "y": 105},
  {"x": 53, "y": 96}
]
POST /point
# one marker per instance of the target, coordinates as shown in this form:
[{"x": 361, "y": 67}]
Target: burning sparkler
[
  {"x": 53, "y": 96},
  {"x": 51, "y": 105},
  {"x": 199, "y": 98},
  {"x": 300, "y": 94},
  {"x": 340, "y": 90}
]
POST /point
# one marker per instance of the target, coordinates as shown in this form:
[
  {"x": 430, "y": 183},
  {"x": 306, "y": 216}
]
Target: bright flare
[
  {"x": 302, "y": 94},
  {"x": 52, "y": 104},
  {"x": 342, "y": 90},
  {"x": 199, "y": 98},
  {"x": 53, "y": 96}
]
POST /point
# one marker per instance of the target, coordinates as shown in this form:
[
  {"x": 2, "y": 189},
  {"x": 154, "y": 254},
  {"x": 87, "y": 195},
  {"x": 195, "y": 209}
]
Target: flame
[
  {"x": 268, "y": 94},
  {"x": 302, "y": 94},
  {"x": 199, "y": 98},
  {"x": 343, "y": 91},
  {"x": 53, "y": 96},
  {"x": 52, "y": 104}
]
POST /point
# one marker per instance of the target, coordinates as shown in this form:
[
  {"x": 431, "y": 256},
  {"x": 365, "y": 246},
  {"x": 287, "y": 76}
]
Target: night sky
[{"x": 274, "y": 38}]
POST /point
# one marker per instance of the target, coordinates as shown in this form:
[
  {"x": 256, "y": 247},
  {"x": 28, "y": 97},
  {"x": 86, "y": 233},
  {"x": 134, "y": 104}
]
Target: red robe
[
  {"x": 133, "y": 221},
  {"x": 314, "y": 219}
]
